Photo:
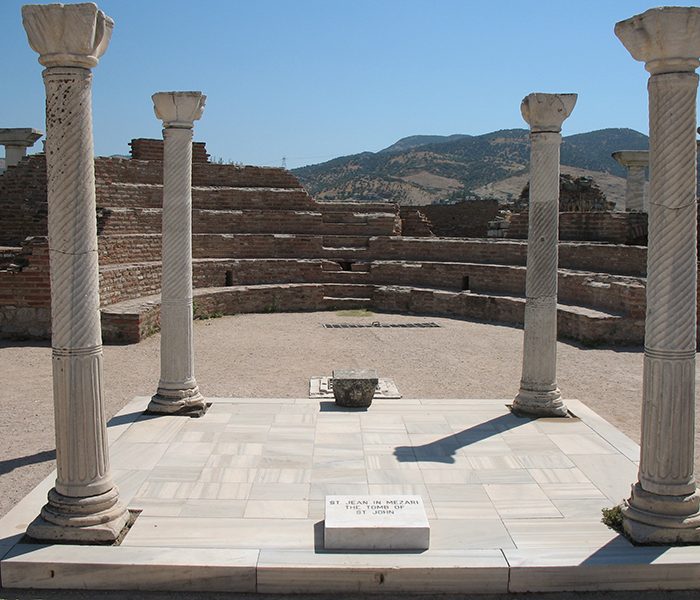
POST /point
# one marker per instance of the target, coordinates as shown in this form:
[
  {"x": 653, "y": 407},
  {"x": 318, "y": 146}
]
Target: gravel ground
[{"x": 274, "y": 355}]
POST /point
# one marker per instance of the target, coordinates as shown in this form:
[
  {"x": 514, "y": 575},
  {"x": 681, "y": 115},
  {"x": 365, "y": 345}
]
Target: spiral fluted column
[
  {"x": 84, "y": 504},
  {"x": 539, "y": 394},
  {"x": 664, "y": 504},
  {"x": 636, "y": 163},
  {"x": 177, "y": 392}
]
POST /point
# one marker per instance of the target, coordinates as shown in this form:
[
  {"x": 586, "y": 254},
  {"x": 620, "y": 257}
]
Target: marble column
[
  {"x": 539, "y": 393},
  {"x": 177, "y": 392},
  {"x": 664, "y": 504},
  {"x": 16, "y": 141},
  {"x": 84, "y": 505},
  {"x": 636, "y": 163}
]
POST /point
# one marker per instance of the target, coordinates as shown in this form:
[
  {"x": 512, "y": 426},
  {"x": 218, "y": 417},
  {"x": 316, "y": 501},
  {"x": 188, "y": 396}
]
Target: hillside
[{"x": 424, "y": 169}]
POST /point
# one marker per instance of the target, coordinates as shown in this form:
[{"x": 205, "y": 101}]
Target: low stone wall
[
  {"x": 625, "y": 296},
  {"x": 610, "y": 227},
  {"x": 131, "y": 325}
]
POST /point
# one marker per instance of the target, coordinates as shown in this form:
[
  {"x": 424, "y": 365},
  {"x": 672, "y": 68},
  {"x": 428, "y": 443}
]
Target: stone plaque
[{"x": 376, "y": 522}]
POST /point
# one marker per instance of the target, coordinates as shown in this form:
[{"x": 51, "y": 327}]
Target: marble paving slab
[{"x": 234, "y": 501}]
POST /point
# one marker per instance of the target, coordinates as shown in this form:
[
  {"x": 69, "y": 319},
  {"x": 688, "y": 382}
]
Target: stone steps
[
  {"x": 117, "y": 220},
  {"x": 589, "y": 291},
  {"x": 597, "y": 258},
  {"x": 130, "y": 321},
  {"x": 150, "y": 195}
]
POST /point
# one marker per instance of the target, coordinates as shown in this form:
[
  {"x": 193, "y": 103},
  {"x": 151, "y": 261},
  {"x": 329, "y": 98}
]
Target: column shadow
[
  {"x": 11, "y": 464},
  {"x": 622, "y": 552},
  {"x": 444, "y": 449}
]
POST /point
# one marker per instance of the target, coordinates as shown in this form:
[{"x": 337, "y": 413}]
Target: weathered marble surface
[
  {"x": 322, "y": 387},
  {"x": 636, "y": 163},
  {"x": 84, "y": 505},
  {"x": 237, "y": 498},
  {"x": 177, "y": 391},
  {"x": 664, "y": 506},
  {"x": 539, "y": 393},
  {"x": 354, "y": 387}
]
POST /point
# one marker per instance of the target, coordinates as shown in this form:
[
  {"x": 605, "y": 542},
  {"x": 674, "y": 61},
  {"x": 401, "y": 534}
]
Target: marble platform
[{"x": 234, "y": 501}]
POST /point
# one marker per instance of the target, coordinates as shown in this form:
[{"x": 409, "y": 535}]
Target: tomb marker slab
[{"x": 376, "y": 522}]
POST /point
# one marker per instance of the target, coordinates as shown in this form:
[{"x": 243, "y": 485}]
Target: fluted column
[
  {"x": 664, "y": 504},
  {"x": 84, "y": 504},
  {"x": 539, "y": 393},
  {"x": 178, "y": 392},
  {"x": 636, "y": 163}
]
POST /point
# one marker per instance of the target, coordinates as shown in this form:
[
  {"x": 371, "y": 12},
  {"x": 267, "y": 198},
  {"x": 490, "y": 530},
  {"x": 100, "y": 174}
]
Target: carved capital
[
  {"x": 547, "y": 112},
  {"x": 178, "y": 109},
  {"x": 667, "y": 39},
  {"x": 19, "y": 136},
  {"x": 632, "y": 158},
  {"x": 67, "y": 35}
]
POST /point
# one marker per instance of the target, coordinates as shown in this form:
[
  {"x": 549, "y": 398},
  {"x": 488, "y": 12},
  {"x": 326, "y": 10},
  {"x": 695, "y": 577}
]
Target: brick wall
[
  {"x": 115, "y": 249},
  {"x": 149, "y": 195},
  {"x": 147, "y": 149},
  {"x": 464, "y": 219},
  {"x": 23, "y": 200},
  {"x": 611, "y": 227},
  {"x": 25, "y": 294},
  {"x": 148, "y": 220},
  {"x": 620, "y": 260},
  {"x": 414, "y": 223}
]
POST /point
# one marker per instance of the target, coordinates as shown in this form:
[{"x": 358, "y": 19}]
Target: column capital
[
  {"x": 546, "y": 112},
  {"x": 19, "y": 136},
  {"x": 67, "y": 35},
  {"x": 632, "y": 158},
  {"x": 178, "y": 109},
  {"x": 667, "y": 39}
]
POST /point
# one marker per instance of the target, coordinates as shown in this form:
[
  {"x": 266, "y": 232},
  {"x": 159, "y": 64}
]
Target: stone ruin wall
[
  {"x": 610, "y": 227},
  {"x": 129, "y": 197},
  {"x": 148, "y": 149}
]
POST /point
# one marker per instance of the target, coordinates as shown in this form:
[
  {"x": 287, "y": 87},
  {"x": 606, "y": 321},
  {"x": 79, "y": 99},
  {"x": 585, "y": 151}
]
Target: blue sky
[{"x": 310, "y": 80}]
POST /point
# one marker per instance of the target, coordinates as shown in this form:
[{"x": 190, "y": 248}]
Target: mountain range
[{"x": 426, "y": 169}]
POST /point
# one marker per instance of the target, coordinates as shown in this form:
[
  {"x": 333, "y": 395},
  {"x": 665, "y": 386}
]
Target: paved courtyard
[{"x": 234, "y": 500}]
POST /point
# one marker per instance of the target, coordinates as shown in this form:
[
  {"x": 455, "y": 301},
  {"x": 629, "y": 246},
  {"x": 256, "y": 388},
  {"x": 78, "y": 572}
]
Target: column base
[
  {"x": 540, "y": 404},
  {"x": 187, "y": 402},
  {"x": 92, "y": 520},
  {"x": 650, "y": 518}
]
